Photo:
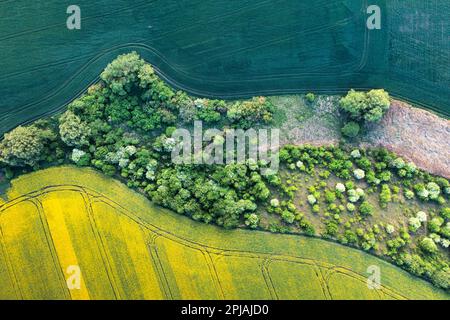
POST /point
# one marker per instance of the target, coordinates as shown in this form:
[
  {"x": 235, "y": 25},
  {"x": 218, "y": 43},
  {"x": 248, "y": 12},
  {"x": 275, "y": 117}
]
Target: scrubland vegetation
[{"x": 369, "y": 199}]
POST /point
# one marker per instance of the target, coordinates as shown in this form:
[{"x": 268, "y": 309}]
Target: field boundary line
[
  {"x": 150, "y": 243},
  {"x": 323, "y": 284},
  {"x": 99, "y": 240},
  {"x": 11, "y": 272},
  {"x": 213, "y": 274},
  {"x": 268, "y": 279},
  {"x": 51, "y": 246},
  {"x": 363, "y": 279}
]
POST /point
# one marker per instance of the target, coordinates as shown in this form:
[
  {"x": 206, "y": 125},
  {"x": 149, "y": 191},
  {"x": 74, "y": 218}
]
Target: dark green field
[{"x": 221, "y": 48}]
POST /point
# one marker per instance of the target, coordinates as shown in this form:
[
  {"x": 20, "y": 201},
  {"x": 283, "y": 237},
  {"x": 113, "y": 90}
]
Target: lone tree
[{"x": 365, "y": 106}]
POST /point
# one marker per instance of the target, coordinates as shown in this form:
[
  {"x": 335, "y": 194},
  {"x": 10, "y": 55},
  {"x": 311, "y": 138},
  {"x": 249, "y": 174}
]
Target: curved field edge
[
  {"x": 342, "y": 261},
  {"x": 175, "y": 42}
]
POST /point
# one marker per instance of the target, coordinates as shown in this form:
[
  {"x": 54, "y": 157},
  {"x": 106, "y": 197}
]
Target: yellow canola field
[{"x": 70, "y": 233}]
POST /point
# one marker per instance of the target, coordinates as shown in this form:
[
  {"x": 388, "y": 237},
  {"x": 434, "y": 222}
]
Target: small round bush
[
  {"x": 445, "y": 230},
  {"x": 428, "y": 245},
  {"x": 434, "y": 190},
  {"x": 435, "y": 237},
  {"x": 353, "y": 196},
  {"x": 409, "y": 194},
  {"x": 399, "y": 163},
  {"x": 414, "y": 224},
  {"x": 275, "y": 203},
  {"x": 435, "y": 224},
  {"x": 288, "y": 216},
  {"x": 421, "y": 191},
  {"x": 351, "y": 129},
  {"x": 390, "y": 229},
  {"x": 422, "y": 216},
  {"x": 445, "y": 213},
  {"x": 311, "y": 199},
  {"x": 252, "y": 164},
  {"x": 366, "y": 209},
  {"x": 355, "y": 154},
  {"x": 330, "y": 196},
  {"x": 252, "y": 221},
  {"x": 360, "y": 192},
  {"x": 340, "y": 187},
  {"x": 310, "y": 97},
  {"x": 359, "y": 174}
]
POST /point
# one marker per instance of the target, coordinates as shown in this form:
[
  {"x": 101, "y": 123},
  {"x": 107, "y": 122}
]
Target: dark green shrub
[{"x": 351, "y": 129}]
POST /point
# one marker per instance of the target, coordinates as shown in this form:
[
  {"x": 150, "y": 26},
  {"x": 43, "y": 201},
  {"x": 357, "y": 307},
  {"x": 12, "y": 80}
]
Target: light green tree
[
  {"x": 73, "y": 131},
  {"x": 365, "y": 106},
  {"x": 124, "y": 72},
  {"x": 25, "y": 146}
]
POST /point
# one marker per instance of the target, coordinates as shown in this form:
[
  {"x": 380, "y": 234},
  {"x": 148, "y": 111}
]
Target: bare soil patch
[{"x": 415, "y": 134}]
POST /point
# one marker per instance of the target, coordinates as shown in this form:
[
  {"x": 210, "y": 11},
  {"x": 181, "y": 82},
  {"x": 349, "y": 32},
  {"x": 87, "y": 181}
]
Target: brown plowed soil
[{"x": 415, "y": 134}]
